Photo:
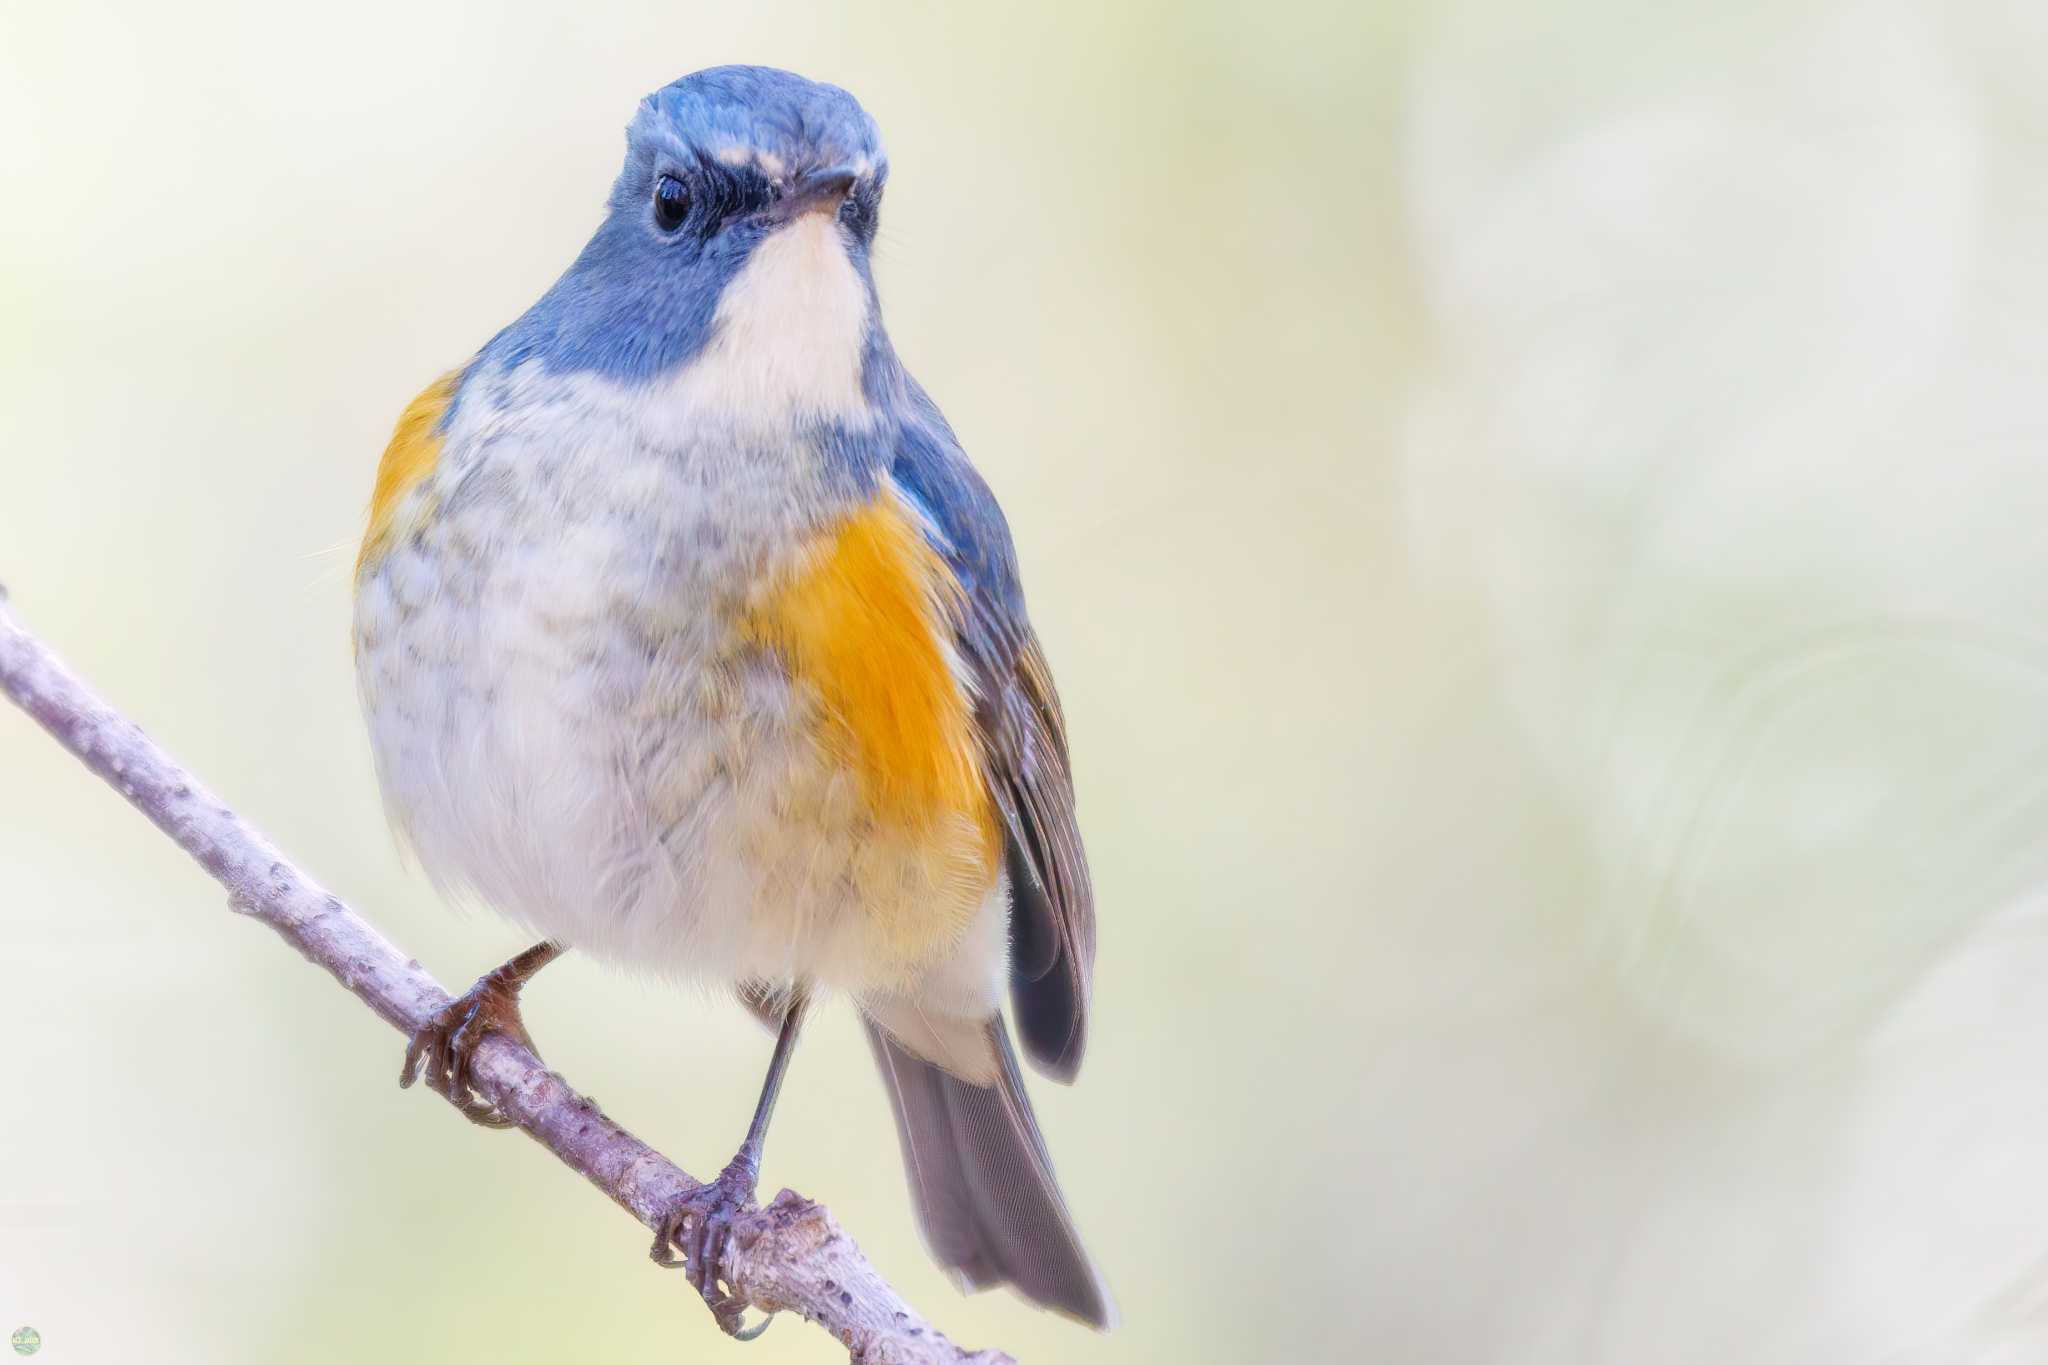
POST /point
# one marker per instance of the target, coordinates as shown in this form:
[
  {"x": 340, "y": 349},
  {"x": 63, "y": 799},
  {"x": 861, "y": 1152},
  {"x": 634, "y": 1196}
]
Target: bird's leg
[
  {"x": 701, "y": 1221},
  {"x": 440, "y": 1053}
]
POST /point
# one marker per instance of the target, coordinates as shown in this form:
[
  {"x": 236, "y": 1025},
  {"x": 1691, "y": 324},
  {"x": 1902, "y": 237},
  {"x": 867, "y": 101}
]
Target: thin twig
[{"x": 790, "y": 1256}]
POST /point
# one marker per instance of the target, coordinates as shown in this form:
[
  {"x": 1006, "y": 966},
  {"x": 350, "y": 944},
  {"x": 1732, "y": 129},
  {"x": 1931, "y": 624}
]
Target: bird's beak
[{"x": 821, "y": 190}]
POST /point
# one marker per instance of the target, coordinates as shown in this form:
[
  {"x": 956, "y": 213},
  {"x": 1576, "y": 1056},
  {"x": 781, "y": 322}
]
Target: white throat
[{"x": 786, "y": 341}]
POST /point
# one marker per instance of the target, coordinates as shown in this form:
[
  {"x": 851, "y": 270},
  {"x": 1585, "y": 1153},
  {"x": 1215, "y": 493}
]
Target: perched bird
[{"x": 688, "y": 638}]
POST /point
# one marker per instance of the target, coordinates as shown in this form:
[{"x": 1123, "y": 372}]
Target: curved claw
[
  {"x": 441, "y": 1051},
  {"x": 754, "y": 1332},
  {"x": 699, "y": 1227}
]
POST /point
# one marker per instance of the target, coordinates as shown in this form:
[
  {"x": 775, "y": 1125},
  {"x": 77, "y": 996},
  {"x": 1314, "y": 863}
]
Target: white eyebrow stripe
[{"x": 738, "y": 154}]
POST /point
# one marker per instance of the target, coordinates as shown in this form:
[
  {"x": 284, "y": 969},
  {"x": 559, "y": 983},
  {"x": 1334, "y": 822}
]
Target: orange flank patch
[
  {"x": 863, "y": 621},
  {"x": 415, "y": 448}
]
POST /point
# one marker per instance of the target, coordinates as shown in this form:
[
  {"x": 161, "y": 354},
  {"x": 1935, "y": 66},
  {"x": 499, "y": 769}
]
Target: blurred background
[{"x": 1537, "y": 512}]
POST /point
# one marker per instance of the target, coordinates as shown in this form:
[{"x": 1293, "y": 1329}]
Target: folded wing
[{"x": 1024, "y": 748}]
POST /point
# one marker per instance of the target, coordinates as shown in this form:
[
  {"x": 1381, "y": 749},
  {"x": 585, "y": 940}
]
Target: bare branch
[{"x": 790, "y": 1256}]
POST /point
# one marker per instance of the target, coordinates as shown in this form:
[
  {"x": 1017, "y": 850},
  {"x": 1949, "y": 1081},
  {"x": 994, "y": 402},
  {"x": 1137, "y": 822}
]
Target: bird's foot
[
  {"x": 695, "y": 1235},
  {"x": 441, "y": 1053}
]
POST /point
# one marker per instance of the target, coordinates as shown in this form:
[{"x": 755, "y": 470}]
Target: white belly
[{"x": 564, "y": 724}]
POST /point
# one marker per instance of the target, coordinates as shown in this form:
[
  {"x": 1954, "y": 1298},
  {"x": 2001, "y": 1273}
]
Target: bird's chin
[{"x": 791, "y": 330}]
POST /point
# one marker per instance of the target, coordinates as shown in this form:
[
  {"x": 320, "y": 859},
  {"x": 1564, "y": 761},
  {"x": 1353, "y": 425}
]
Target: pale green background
[{"x": 1538, "y": 513}]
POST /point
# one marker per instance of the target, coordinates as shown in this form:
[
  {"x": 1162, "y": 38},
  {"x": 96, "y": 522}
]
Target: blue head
[{"x": 737, "y": 232}]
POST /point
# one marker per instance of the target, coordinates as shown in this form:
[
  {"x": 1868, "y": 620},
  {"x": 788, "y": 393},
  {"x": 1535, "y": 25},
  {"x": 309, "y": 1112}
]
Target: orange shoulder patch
[
  {"x": 414, "y": 450},
  {"x": 864, "y": 622}
]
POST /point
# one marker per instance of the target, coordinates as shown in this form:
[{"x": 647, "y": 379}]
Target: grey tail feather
[{"x": 982, "y": 1182}]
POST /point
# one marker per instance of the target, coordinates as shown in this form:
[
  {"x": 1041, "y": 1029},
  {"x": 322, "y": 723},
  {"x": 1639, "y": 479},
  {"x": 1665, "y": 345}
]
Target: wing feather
[{"x": 1023, "y": 739}]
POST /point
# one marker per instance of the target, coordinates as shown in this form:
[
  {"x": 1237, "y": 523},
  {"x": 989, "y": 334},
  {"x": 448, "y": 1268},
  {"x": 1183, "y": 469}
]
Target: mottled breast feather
[{"x": 414, "y": 450}]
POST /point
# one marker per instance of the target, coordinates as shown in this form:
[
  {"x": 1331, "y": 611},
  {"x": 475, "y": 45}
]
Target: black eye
[{"x": 671, "y": 203}]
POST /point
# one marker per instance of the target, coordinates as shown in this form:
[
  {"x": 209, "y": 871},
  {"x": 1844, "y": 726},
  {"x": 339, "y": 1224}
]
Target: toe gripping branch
[
  {"x": 697, "y": 1233},
  {"x": 442, "y": 1051}
]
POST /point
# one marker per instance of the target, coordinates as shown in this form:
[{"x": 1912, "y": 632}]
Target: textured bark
[{"x": 790, "y": 1256}]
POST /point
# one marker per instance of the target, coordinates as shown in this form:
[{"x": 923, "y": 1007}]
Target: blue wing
[{"x": 1023, "y": 740}]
